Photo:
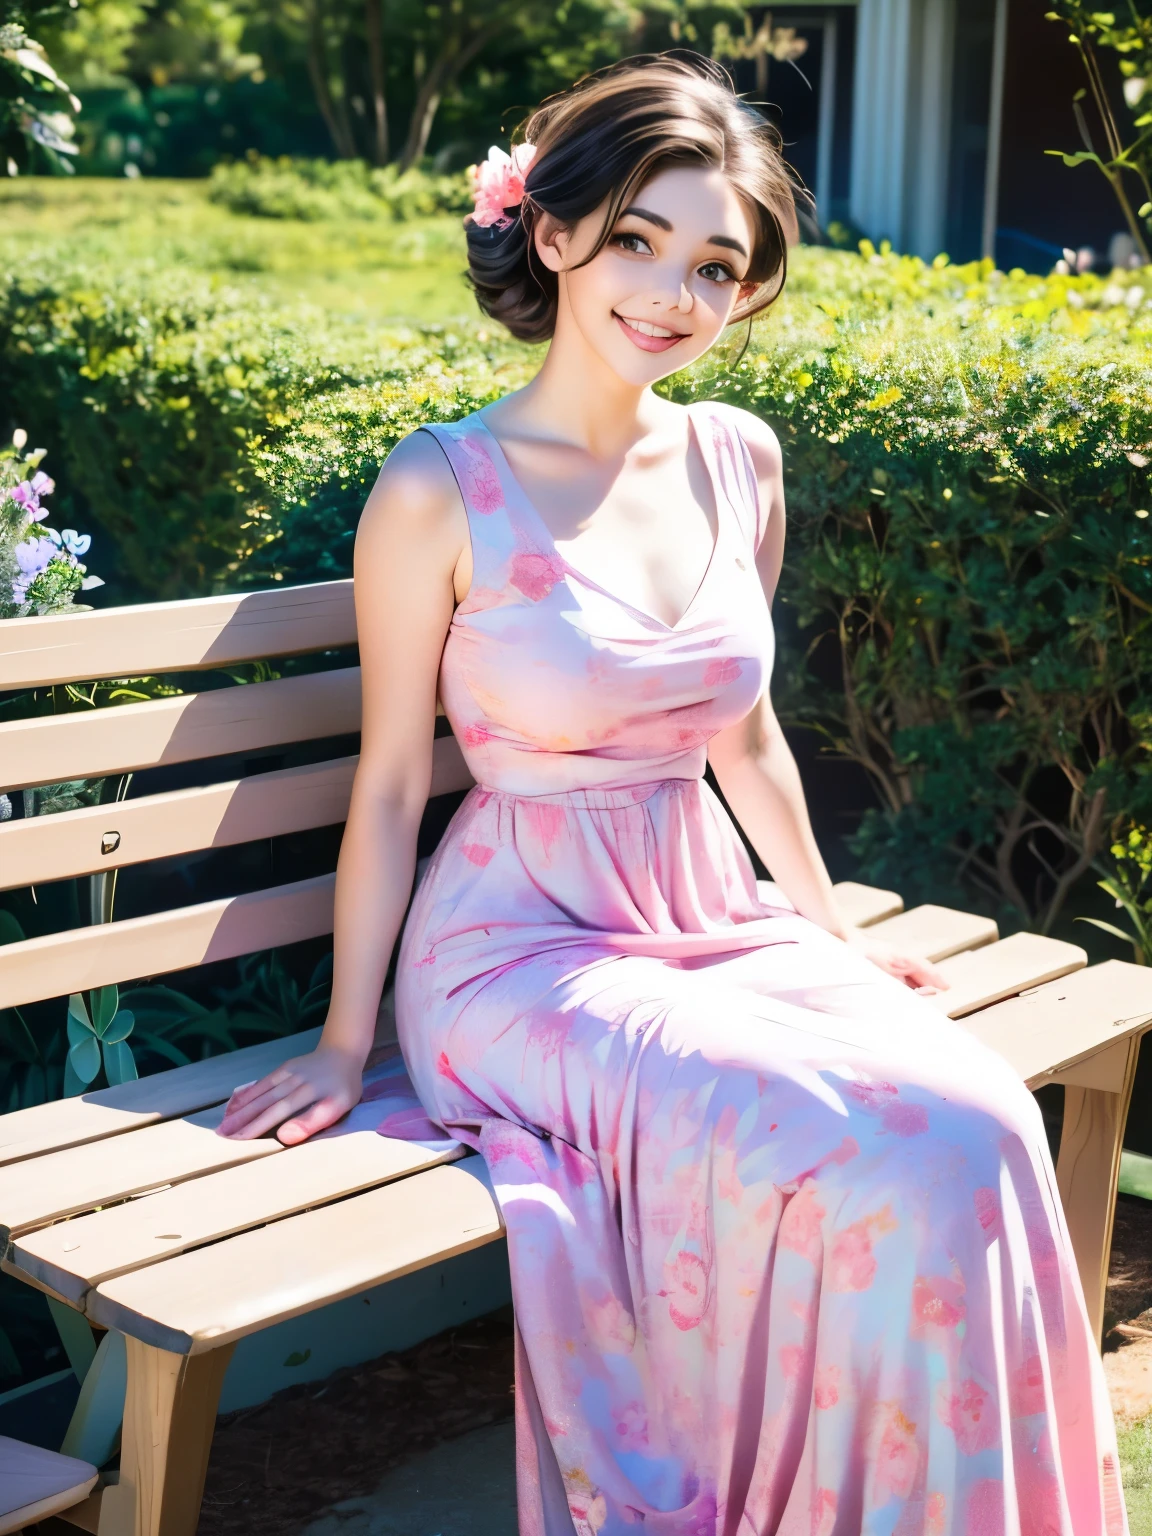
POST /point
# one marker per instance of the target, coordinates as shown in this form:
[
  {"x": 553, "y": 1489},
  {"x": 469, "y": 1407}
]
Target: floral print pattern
[{"x": 786, "y": 1254}]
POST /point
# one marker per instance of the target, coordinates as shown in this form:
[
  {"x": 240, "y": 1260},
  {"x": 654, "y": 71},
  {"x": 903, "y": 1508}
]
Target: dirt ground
[
  {"x": 276, "y": 1467},
  {"x": 1128, "y": 1311}
]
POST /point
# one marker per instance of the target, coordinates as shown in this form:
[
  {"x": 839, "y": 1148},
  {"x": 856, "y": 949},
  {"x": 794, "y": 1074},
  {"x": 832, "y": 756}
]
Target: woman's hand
[
  {"x": 305, "y": 1095},
  {"x": 913, "y": 970}
]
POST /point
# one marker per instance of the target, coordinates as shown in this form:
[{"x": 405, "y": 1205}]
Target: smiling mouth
[{"x": 647, "y": 336}]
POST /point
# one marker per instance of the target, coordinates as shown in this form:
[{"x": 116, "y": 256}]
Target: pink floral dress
[{"x": 787, "y": 1254}]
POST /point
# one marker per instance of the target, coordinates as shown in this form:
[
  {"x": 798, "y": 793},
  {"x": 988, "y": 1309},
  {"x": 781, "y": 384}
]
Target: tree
[
  {"x": 35, "y": 104},
  {"x": 424, "y": 49}
]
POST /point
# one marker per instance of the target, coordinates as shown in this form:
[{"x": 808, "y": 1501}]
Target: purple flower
[
  {"x": 32, "y": 559},
  {"x": 28, "y": 493},
  {"x": 33, "y": 555}
]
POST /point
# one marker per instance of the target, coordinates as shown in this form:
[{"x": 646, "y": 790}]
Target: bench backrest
[{"x": 157, "y": 638}]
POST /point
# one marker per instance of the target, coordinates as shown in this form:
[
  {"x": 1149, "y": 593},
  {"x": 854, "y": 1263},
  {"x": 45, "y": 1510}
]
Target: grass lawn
[
  {"x": 376, "y": 269},
  {"x": 1136, "y": 1467}
]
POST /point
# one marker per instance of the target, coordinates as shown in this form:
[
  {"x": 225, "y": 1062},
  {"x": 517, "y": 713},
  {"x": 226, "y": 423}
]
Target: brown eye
[
  {"x": 628, "y": 241},
  {"x": 716, "y": 272}
]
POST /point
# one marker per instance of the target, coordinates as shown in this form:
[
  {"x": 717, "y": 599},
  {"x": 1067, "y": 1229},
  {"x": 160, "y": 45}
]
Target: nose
[{"x": 685, "y": 301}]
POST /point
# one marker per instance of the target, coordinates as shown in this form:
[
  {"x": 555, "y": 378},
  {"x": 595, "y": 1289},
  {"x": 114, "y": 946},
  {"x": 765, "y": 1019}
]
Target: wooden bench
[
  {"x": 35, "y": 1484},
  {"x": 236, "y": 1236}
]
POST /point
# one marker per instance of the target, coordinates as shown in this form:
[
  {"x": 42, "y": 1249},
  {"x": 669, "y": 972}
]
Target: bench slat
[
  {"x": 73, "y": 1256},
  {"x": 935, "y": 932},
  {"x": 90, "y": 1117},
  {"x": 1064, "y": 1021},
  {"x": 42, "y": 1189},
  {"x": 980, "y": 977},
  {"x": 43, "y": 848},
  {"x": 212, "y": 1296},
  {"x": 245, "y": 718},
  {"x": 176, "y": 637},
  {"x": 63, "y": 963},
  {"x": 263, "y": 805},
  {"x": 864, "y": 905}
]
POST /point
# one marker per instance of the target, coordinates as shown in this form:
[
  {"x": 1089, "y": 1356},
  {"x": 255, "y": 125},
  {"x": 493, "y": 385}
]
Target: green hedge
[
  {"x": 286, "y": 188},
  {"x": 969, "y": 573}
]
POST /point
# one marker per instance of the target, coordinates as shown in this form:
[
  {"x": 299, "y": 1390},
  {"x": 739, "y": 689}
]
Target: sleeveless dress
[{"x": 787, "y": 1254}]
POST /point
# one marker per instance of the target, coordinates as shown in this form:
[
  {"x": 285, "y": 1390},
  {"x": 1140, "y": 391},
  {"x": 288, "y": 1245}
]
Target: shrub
[
  {"x": 287, "y": 188},
  {"x": 175, "y": 405},
  {"x": 969, "y": 564},
  {"x": 967, "y": 468}
]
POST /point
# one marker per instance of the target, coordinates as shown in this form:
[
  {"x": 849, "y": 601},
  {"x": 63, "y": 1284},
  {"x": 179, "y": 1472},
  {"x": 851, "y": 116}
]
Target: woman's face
[{"x": 663, "y": 288}]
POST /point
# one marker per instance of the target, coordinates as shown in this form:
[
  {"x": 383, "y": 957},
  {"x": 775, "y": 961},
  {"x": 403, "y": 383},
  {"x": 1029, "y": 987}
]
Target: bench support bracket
[
  {"x": 1087, "y": 1172},
  {"x": 169, "y": 1417}
]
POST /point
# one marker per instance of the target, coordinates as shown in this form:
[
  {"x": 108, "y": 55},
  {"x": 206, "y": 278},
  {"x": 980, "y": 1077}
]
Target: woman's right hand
[{"x": 303, "y": 1096}]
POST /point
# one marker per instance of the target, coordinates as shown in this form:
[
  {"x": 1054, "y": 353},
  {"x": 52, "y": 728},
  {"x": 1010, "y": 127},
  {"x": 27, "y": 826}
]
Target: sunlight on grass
[
  {"x": 1136, "y": 1470},
  {"x": 374, "y": 269}
]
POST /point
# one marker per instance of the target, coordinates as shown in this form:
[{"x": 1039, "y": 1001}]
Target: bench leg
[
  {"x": 1087, "y": 1172},
  {"x": 169, "y": 1416}
]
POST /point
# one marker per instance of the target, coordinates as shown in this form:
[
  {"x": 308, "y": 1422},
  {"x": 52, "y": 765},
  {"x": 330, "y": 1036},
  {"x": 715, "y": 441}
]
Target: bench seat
[{"x": 35, "y": 1483}]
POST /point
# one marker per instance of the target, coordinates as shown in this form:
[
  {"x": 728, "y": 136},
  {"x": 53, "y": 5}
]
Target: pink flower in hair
[{"x": 498, "y": 183}]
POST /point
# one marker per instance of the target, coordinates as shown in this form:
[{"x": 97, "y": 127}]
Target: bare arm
[
  {"x": 757, "y": 772},
  {"x": 409, "y": 542}
]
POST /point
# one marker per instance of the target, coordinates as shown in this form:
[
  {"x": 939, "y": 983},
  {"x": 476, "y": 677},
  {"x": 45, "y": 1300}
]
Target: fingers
[
  {"x": 244, "y": 1120},
  {"x": 317, "y": 1117},
  {"x": 281, "y": 1109},
  {"x": 246, "y": 1094},
  {"x": 928, "y": 975},
  {"x": 913, "y": 970},
  {"x": 921, "y": 974}
]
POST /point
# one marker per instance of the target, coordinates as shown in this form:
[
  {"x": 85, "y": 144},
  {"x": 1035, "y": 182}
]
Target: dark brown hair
[{"x": 600, "y": 142}]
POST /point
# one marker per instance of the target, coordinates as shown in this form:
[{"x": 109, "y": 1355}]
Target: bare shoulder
[
  {"x": 763, "y": 444},
  {"x": 415, "y": 494}
]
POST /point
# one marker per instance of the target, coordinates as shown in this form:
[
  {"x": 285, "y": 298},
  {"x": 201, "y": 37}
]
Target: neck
[{"x": 578, "y": 399}]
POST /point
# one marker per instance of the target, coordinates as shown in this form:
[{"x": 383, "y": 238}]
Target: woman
[{"x": 786, "y": 1252}]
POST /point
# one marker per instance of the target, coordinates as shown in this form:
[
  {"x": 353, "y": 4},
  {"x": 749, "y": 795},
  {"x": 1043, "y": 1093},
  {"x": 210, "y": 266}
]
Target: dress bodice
[{"x": 550, "y": 682}]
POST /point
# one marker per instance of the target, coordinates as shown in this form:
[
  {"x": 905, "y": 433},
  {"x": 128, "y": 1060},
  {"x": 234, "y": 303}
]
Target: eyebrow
[{"x": 662, "y": 223}]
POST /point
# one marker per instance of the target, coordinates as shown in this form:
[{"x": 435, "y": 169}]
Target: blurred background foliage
[{"x": 171, "y": 88}]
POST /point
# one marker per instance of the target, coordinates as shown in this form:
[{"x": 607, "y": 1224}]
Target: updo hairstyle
[{"x": 600, "y": 142}]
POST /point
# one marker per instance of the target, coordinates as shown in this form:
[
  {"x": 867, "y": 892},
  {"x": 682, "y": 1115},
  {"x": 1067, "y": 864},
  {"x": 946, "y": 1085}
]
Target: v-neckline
[{"x": 530, "y": 507}]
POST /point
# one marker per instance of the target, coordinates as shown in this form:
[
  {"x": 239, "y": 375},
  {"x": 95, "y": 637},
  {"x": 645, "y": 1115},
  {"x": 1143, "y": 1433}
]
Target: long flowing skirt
[{"x": 787, "y": 1253}]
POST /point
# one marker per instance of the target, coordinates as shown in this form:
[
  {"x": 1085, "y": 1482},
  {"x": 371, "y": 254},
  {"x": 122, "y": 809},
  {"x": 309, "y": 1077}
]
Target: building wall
[
  {"x": 903, "y": 93},
  {"x": 924, "y": 126}
]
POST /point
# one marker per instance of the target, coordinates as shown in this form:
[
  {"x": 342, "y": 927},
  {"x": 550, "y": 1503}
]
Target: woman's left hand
[{"x": 913, "y": 970}]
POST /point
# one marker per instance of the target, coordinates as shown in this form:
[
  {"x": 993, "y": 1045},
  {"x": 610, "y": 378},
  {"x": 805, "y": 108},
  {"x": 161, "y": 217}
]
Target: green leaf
[
  {"x": 84, "y": 1059},
  {"x": 77, "y": 1033},
  {"x": 1129, "y": 938},
  {"x": 119, "y": 1063},
  {"x": 120, "y": 1027},
  {"x": 78, "y": 1010},
  {"x": 296, "y": 1358},
  {"x": 162, "y": 1047},
  {"x": 1081, "y": 157},
  {"x": 10, "y": 930},
  {"x": 105, "y": 1001},
  {"x": 72, "y": 1084}
]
